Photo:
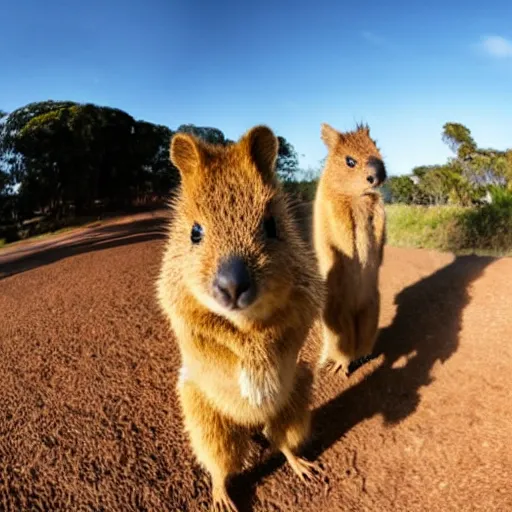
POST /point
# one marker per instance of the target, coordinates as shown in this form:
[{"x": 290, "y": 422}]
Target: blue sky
[{"x": 404, "y": 67}]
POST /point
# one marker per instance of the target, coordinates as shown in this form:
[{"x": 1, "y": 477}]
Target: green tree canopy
[
  {"x": 65, "y": 152},
  {"x": 459, "y": 139},
  {"x": 287, "y": 165},
  {"x": 401, "y": 189},
  {"x": 206, "y": 133}
]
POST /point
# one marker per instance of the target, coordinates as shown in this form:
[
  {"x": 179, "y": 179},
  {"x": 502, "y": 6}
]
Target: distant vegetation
[
  {"x": 481, "y": 230},
  {"x": 464, "y": 205},
  {"x": 63, "y": 162}
]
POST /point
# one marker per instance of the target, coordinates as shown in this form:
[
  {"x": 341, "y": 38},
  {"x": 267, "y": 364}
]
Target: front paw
[{"x": 258, "y": 387}]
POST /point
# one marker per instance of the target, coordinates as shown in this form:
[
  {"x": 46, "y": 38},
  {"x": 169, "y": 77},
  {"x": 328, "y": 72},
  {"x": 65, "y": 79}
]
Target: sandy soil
[{"x": 88, "y": 410}]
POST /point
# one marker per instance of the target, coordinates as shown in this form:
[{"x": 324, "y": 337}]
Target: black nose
[
  {"x": 377, "y": 165},
  {"x": 233, "y": 286}
]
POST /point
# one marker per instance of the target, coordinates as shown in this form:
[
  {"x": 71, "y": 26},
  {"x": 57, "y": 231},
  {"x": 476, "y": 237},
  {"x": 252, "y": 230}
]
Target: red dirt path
[{"x": 89, "y": 417}]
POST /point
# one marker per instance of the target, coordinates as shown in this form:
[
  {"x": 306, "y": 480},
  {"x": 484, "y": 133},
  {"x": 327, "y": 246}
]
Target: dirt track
[{"x": 88, "y": 412}]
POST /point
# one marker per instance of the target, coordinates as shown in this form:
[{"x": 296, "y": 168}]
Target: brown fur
[
  {"x": 349, "y": 236},
  {"x": 239, "y": 368}
]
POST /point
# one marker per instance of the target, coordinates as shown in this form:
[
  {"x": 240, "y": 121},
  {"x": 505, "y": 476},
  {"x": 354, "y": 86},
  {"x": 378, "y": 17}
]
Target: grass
[
  {"x": 419, "y": 226},
  {"x": 485, "y": 230}
]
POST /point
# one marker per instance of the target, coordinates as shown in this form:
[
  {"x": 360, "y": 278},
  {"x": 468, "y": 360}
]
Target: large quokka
[
  {"x": 241, "y": 291},
  {"x": 349, "y": 229}
]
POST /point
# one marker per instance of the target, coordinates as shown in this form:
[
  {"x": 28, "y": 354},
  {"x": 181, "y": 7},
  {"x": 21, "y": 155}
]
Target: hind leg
[
  {"x": 290, "y": 428},
  {"x": 218, "y": 443},
  {"x": 367, "y": 323},
  {"x": 339, "y": 341}
]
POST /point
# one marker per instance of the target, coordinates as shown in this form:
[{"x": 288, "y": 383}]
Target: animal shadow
[{"x": 425, "y": 331}]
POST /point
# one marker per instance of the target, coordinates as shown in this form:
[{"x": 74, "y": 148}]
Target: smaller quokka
[
  {"x": 241, "y": 291},
  {"x": 349, "y": 231}
]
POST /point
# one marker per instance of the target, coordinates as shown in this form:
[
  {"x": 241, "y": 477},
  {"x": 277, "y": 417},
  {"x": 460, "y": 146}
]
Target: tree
[
  {"x": 459, "y": 139},
  {"x": 287, "y": 165},
  {"x": 420, "y": 171},
  {"x": 77, "y": 154},
  {"x": 206, "y": 133},
  {"x": 14, "y": 122},
  {"x": 474, "y": 169},
  {"x": 402, "y": 189},
  {"x": 153, "y": 142},
  {"x": 63, "y": 153},
  {"x": 4, "y": 176},
  {"x": 436, "y": 184},
  {"x": 488, "y": 167},
  {"x": 508, "y": 160}
]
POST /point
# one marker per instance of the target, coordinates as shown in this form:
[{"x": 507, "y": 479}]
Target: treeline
[
  {"x": 463, "y": 206},
  {"x": 62, "y": 159},
  {"x": 472, "y": 176}
]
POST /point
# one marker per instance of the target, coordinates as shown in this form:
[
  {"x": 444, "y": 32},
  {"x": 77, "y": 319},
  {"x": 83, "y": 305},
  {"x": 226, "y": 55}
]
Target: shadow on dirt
[
  {"x": 27, "y": 258},
  {"x": 424, "y": 332}
]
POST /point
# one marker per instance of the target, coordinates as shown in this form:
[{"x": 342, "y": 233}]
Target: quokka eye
[
  {"x": 350, "y": 161},
  {"x": 270, "y": 226},
  {"x": 197, "y": 233}
]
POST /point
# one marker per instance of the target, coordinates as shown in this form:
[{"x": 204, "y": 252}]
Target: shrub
[
  {"x": 489, "y": 227},
  {"x": 483, "y": 229}
]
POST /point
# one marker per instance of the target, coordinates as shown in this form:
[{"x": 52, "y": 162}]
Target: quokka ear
[
  {"x": 262, "y": 146},
  {"x": 330, "y": 136},
  {"x": 187, "y": 153}
]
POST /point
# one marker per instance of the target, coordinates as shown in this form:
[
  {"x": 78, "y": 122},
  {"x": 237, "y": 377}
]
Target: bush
[
  {"x": 9, "y": 233},
  {"x": 484, "y": 229},
  {"x": 489, "y": 227}
]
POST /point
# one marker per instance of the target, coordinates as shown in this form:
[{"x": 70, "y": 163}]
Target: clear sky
[{"x": 404, "y": 67}]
